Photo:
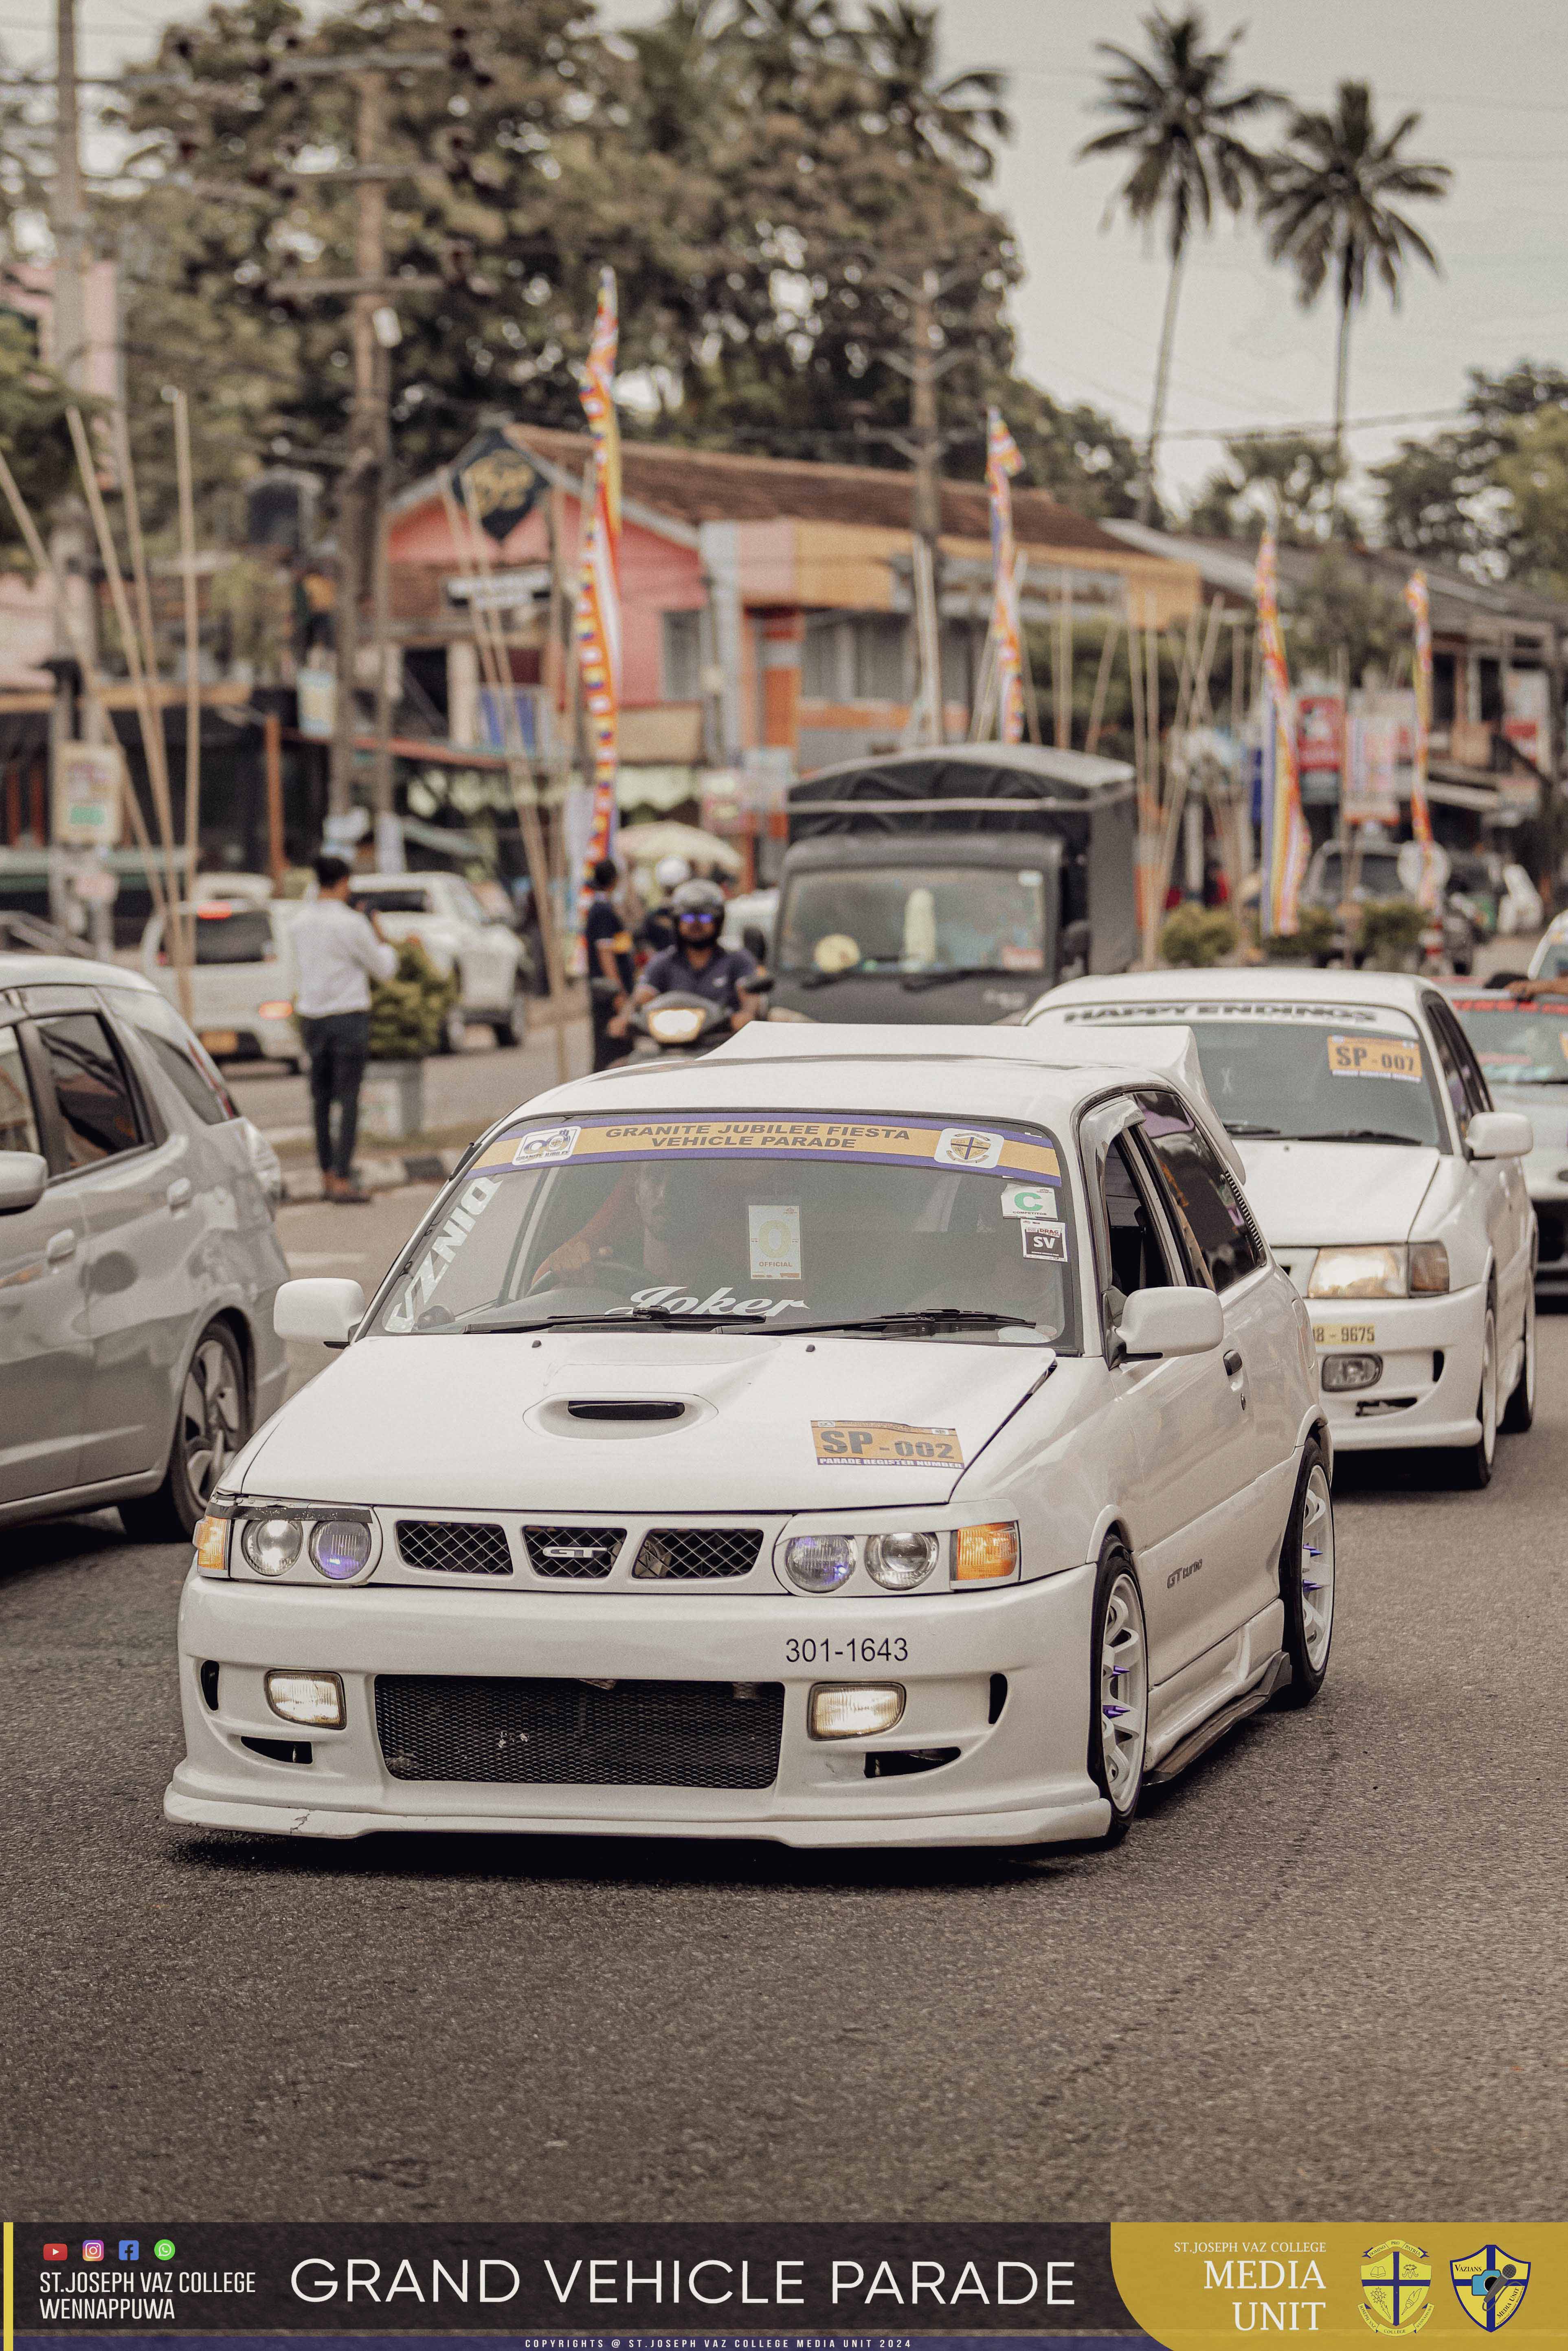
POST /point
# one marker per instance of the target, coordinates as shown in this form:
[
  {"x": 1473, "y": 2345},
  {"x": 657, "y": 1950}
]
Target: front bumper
[
  {"x": 1021, "y": 1779},
  {"x": 1546, "y": 1175},
  {"x": 1431, "y": 1351}
]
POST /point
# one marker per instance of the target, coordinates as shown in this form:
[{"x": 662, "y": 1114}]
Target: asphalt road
[{"x": 1325, "y": 1978}]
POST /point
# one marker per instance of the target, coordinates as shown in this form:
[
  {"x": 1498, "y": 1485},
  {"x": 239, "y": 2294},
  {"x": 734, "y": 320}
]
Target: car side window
[
  {"x": 18, "y": 1120},
  {"x": 1138, "y": 1259},
  {"x": 1478, "y": 1094},
  {"x": 177, "y": 1053},
  {"x": 1448, "y": 1062},
  {"x": 1212, "y": 1215},
  {"x": 97, "y": 1108}
]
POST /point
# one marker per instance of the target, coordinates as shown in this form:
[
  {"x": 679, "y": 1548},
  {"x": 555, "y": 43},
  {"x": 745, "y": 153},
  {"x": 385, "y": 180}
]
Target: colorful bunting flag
[
  {"x": 1420, "y": 814},
  {"x": 1287, "y": 844},
  {"x": 598, "y": 616},
  {"x": 1002, "y": 460}
]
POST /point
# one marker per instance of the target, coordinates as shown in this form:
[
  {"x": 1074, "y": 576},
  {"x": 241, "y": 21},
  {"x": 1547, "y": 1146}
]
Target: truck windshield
[
  {"x": 1378, "y": 876},
  {"x": 914, "y": 918},
  {"x": 782, "y": 1222}
]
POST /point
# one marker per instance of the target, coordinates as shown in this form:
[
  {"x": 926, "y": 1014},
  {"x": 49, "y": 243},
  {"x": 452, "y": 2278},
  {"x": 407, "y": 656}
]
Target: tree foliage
[
  {"x": 1284, "y": 483},
  {"x": 1480, "y": 496}
]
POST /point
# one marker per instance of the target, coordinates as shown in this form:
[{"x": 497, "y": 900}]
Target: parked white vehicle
[
  {"x": 1387, "y": 1181},
  {"x": 847, "y": 1439},
  {"x": 442, "y": 913},
  {"x": 242, "y": 984}
]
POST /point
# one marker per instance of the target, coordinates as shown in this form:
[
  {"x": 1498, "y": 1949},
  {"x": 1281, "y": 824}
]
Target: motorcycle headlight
[
  {"x": 1378, "y": 1272},
  {"x": 898, "y": 1562},
  {"x": 677, "y": 1026}
]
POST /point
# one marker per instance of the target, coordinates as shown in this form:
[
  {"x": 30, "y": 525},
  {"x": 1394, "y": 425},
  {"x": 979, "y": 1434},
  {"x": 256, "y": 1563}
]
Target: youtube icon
[{"x": 57, "y": 2252}]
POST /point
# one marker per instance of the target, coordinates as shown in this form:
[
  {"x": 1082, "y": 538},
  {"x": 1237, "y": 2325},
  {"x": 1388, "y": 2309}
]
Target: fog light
[
  {"x": 272, "y": 1545},
  {"x": 210, "y": 1539},
  {"x": 1342, "y": 1374},
  {"x": 313, "y": 1698},
  {"x": 898, "y": 1562},
  {"x": 854, "y": 1709},
  {"x": 819, "y": 1563},
  {"x": 985, "y": 1554},
  {"x": 341, "y": 1547}
]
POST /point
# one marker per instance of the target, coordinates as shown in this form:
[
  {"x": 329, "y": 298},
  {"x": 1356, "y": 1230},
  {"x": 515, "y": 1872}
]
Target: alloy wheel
[
  {"x": 1317, "y": 1568},
  {"x": 209, "y": 1416},
  {"x": 1487, "y": 1402},
  {"x": 1124, "y": 1693}
]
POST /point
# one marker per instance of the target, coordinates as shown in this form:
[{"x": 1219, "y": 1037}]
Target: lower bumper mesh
[{"x": 576, "y": 1734}]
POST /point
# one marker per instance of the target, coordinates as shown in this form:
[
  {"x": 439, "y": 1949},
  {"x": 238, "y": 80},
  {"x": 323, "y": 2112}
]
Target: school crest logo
[
  {"x": 961, "y": 1146},
  {"x": 1491, "y": 2284},
  {"x": 1395, "y": 2287},
  {"x": 546, "y": 1143}
]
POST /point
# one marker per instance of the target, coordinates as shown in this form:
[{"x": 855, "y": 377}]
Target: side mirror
[
  {"x": 759, "y": 983},
  {"x": 755, "y": 942},
  {"x": 1500, "y": 1135},
  {"x": 23, "y": 1175},
  {"x": 320, "y": 1308},
  {"x": 1171, "y": 1322}
]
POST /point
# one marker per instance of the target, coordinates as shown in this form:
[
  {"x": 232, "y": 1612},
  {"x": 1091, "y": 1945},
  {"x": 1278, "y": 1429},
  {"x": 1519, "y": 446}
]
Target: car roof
[
  {"x": 958, "y": 1072},
  {"x": 1258, "y": 984},
  {"x": 47, "y": 971}
]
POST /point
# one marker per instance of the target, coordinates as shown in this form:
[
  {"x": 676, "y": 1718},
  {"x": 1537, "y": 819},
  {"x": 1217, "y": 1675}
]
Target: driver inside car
[{"x": 662, "y": 1219}]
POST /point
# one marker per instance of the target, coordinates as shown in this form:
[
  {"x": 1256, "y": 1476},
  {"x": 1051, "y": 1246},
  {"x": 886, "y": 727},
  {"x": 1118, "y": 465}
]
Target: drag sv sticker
[
  {"x": 1042, "y": 1237},
  {"x": 885, "y": 1445},
  {"x": 447, "y": 1244}
]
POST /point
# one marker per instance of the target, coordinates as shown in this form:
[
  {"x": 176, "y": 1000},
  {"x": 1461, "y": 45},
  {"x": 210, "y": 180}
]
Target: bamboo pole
[
  {"x": 184, "y": 478},
  {"x": 181, "y": 922},
  {"x": 1062, "y": 700},
  {"x": 45, "y": 566},
  {"x": 1102, "y": 681}
]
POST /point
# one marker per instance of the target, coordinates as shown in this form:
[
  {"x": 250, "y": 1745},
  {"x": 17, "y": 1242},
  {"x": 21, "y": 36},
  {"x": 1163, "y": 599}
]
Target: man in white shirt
[{"x": 337, "y": 954}]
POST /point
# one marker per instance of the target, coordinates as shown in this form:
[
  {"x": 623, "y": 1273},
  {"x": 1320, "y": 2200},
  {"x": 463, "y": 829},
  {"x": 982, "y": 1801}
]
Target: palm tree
[
  {"x": 1328, "y": 205},
  {"x": 1177, "y": 119},
  {"x": 953, "y": 120}
]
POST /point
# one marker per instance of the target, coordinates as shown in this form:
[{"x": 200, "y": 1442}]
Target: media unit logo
[
  {"x": 1491, "y": 2284},
  {"x": 1395, "y": 2287}
]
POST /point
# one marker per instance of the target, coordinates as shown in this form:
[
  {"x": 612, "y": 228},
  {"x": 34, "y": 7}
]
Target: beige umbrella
[{"x": 646, "y": 844}]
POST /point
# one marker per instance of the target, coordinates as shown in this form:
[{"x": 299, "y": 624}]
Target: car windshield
[
  {"x": 233, "y": 934},
  {"x": 1378, "y": 877},
  {"x": 783, "y": 1222},
  {"x": 408, "y": 901},
  {"x": 1317, "y": 1072},
  {"x": 913, "y": 919},
  {"x": 1517, "y": 1044}
]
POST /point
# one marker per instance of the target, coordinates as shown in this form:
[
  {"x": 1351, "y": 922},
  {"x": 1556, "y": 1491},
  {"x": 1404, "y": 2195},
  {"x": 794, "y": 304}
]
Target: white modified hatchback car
[
  {"x": 846, "y": 1440},
  {"x": 1387, "y": 1181}
]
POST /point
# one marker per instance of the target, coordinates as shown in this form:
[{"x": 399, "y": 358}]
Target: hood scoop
[{"x": 599, "y": 1408}]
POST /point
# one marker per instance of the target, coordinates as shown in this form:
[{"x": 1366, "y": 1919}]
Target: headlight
[
  {"x": 898, "y": 1562},
  {"x": 1374, "y": 1272},
  {"x": 340, "y": 1547},
  {"x": 272, "y": 1545},
  {"x": 819, "y": 1563},
  {"x": 678, "y": 1026},
  {"x": 1429, "y": 1267}
]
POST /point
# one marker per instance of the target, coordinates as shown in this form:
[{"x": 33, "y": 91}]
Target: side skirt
[{"x": 1197, "y": 1742}]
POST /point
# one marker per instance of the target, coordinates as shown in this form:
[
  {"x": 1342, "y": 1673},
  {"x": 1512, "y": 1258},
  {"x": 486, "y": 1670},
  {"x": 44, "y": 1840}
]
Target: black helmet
[{"x": 699, "y": 902}]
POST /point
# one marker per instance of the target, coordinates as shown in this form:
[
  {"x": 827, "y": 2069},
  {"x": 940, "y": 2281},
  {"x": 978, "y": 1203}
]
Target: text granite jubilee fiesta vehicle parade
[
  {"x": 849, "y": 1439},
  {"x": 1389, "y": 1182}
]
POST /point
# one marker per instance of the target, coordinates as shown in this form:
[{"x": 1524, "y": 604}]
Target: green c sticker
[{"x": 1029, "y": 1200}]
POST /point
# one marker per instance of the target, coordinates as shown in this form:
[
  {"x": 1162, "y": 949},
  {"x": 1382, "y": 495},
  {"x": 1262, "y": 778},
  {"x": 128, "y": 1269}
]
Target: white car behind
[
  {"x": 1388, "y": 1184},
  {"x": 443, "y": 914}
]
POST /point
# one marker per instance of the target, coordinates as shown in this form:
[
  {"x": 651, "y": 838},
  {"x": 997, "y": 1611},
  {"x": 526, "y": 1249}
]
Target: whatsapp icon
[{"x": 163, "y": 2251}]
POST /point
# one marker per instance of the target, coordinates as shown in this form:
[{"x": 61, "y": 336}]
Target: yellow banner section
[
  {"x": 1345, "y": 2283},
  {"x": 977, "y": 1150}
]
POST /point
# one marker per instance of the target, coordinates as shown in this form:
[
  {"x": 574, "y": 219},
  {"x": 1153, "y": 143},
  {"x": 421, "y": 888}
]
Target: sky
[{"x": 1491, "y": 87}]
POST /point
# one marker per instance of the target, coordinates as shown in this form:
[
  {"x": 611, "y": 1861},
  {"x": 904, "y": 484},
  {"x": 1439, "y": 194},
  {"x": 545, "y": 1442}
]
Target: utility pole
[
  {"x": 68, "y": 225},
  {"x": 923, "y": 445}
]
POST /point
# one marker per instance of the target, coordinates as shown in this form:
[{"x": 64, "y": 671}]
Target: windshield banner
[
  {"x": 894, "y": 1142},
  {"x": 1291, "y": 1013}
]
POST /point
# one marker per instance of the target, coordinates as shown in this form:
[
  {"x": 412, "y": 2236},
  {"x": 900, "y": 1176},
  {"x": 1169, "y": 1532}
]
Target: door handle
[
  {"x": 179, "y": 1192},
  {"x": 61, "y": 1246},
  {"x": 1233, "y": 1363}
]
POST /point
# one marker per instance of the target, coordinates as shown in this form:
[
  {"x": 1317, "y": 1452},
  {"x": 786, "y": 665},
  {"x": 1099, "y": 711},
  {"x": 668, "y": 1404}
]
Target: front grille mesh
[
  {"x": 453, "y": 1547},
  {"x": 577, "y": 1734},
  {"x": 573, "y": 1551},
  {"x": 689, "y": 1554}
]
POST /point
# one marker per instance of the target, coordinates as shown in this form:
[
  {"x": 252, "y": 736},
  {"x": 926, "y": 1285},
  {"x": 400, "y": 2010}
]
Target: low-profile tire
[
  {"x": 1519, "y": 1411},
  {"x": 211, "y": 1424},
  {"x": 1307, "y": 1580},
  {"x": 1118, "y": 1688},
  {"x": 1473, "y": 1463},
  {"x": 514, "y": 1028}
]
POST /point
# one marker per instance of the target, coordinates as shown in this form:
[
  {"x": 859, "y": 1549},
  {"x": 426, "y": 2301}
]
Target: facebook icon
[{"x": 129, "y": 2249}]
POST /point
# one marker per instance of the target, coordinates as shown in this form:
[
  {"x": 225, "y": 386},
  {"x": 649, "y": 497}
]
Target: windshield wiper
[
  {"x": 911, "y": 1321},
  {"x": 1360, "y": 1134},
  {"x": 1246, "y": 1126},
  {"x": 660, "y": 1318}
]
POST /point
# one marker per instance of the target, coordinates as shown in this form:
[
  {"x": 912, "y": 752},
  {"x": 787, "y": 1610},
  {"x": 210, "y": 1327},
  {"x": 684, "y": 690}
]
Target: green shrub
[
  {"x": 1391, "y": 932},
  {"x": 1197, "y": 935},
  {"x": 1316, "y": 934},
  {"x": 407, "y": 1011}
]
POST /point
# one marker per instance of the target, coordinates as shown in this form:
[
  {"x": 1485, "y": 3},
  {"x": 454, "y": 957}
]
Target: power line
[{"x": 1278, "y": 431}]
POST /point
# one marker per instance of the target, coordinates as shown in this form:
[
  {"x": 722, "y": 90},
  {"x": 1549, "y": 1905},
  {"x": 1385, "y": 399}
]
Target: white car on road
[
  {"x": 846, "y": 1440},
  {"x": 1387, "y": 1181},
  {"x": 443, "y": 914},
  {"x": 242, "y": 983}
]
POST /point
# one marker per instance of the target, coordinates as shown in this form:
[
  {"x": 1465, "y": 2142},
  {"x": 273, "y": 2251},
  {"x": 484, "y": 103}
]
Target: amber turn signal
[
  {"x": 985, "y": 1554},
  {"x": 210, "y": 1539}
]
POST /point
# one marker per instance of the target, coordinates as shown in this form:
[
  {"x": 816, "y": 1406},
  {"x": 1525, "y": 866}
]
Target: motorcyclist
[
  {"x": 697, "y": 965},
  {"x": 658, "y": 930}
]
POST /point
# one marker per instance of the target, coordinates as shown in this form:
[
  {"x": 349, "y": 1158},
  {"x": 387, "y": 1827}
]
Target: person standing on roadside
[
  {"x": 612, "y": 966},
  {"x": 337, "y": 954}
]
